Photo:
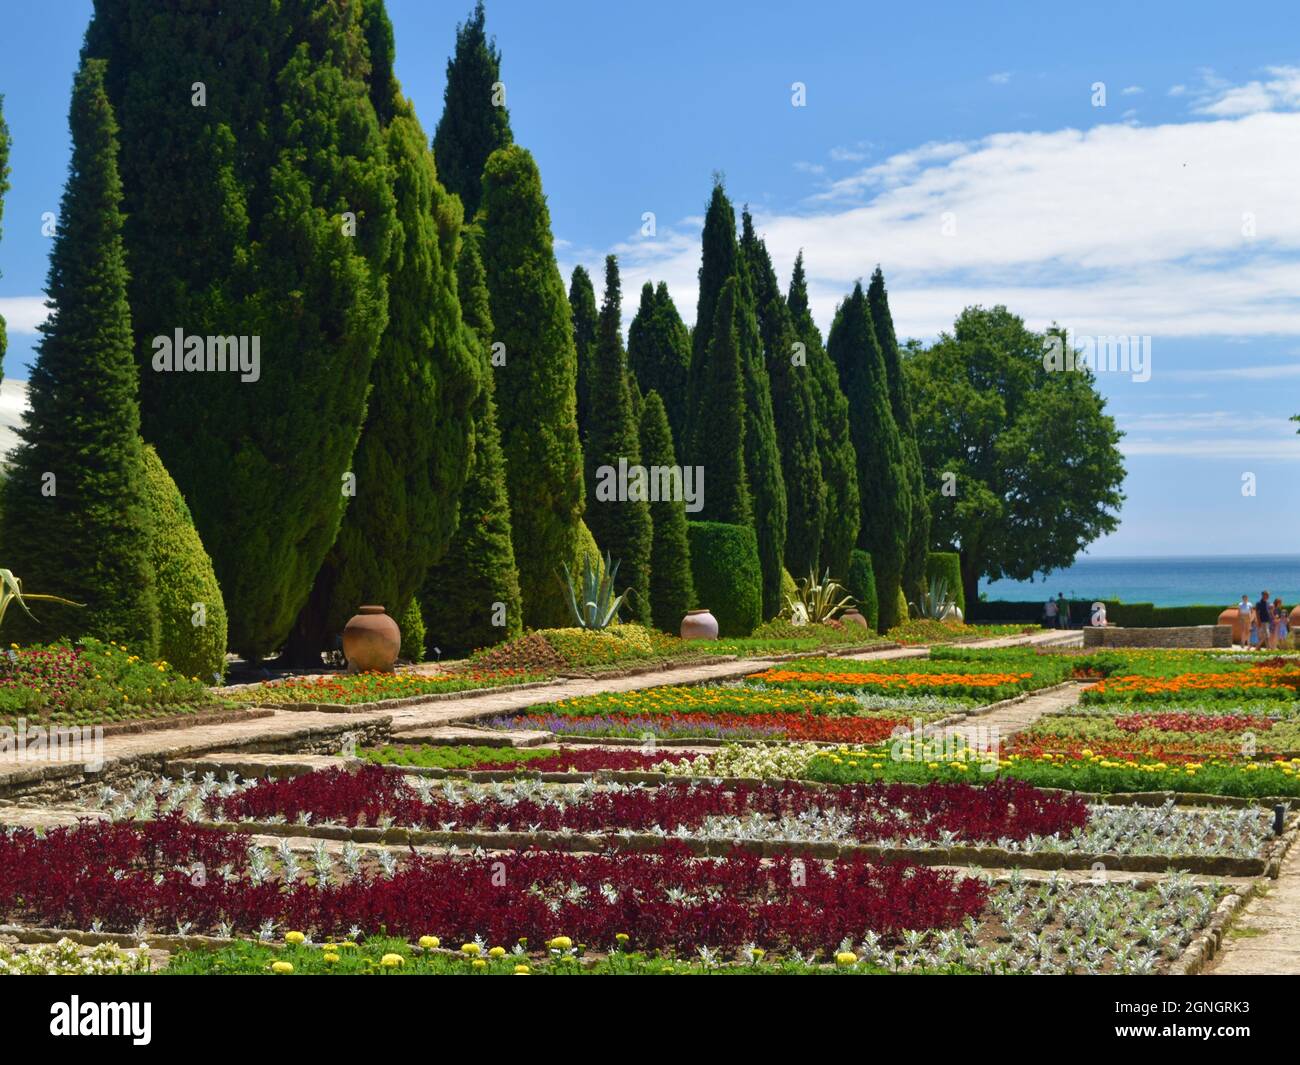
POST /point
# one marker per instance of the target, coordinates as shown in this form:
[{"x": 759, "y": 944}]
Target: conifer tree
[
  {"x": 582, "y": 308},
  {"x": 659, "y": 352},
  {"x": 475, "y": 585},
  {"x": 536, "y": 404},
  {"x": 900, "y": 402},
  {"x": 721, "y": 417},
  {"x": 620, "y": 521},
  {"x": 413, "y": 454},
  {"x": 719, "y": 256},
  {"x": 792, "y": 408},
  {"x": 671, "y": 589},
  {"x": 882, "y": 473},
  {"x": 834, "y": 440},
  {"x": 4, "y": 187},
  {"x": 75, "y": 519},
  {"x": 260, "y": 210},
  {"x": 475, "y": 121}
]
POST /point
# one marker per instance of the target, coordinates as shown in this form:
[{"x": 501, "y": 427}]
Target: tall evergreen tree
[
  {"x": 258, "y": 207},
  {"x": 659, "y": 352},
  {"x": 900, "y": 402},
  {"x": 722, "y": 418},
  {"x": 75, "y": 521},
  {"x": 839, "y": 460},
  {"x": 411, "y": 461},
  {"x": 475, "y": 585},
  {"x": 792, "y": 408},
  {"x": 536, "y": 404},
  {"x": 882, "y": 473},
  {"x": 619, "y": 522},
  {"x": 719, "y": 256},
  {"x": 475, "y": 121},
  {"x": 582, "y": 308},
  {"x": 671, "y": 590},
  {"x": 4, "y": 187}
]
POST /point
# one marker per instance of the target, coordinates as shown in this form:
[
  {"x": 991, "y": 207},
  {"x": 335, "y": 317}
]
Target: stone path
[
  {"x": 1265, "y": 939},
  {"x": 288, "y": 727},
  {"x": 1007, "y": 720}
]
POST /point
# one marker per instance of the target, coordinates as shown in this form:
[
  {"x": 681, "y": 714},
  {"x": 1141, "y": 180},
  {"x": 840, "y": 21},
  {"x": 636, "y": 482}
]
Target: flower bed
[
  {"x": 374, "y": 795},
  {"x": 1165, "y": 735},
  {"x": 352, "y": 689},
  {"x": 729, "y": 699},
  {"x": 927, "y": 631},
  {"x": 122, "y": 877},
  {"x": 1247, "y": 684},
  {"x": 987, "y": 687},
  {"x": 813, "y": 727},
  {"x": 92, "y": 682},
  {"x": 526, "y": 759}
]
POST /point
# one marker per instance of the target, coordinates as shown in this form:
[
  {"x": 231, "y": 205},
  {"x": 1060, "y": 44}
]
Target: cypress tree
[
  {"x": 900, "y": 402},
  {"x": 461, "y": 593},
  {"x": 475, "y": 121},
  {"x": 411, "y": 460},
  {"x": 4, "y": 187},
  {"x": 762, "y": 455},
  {"x": 882, "y": 474},
  {"x": 582, "y": 308},
  {"x": 659, "y": 352},
  {"x": 621, "y": 525},
  {"x": 536, "y": 404},
  {"x": 75, "y": 519},
  {"x": 834, "y": 440},
  {"x": 671, "y": 590},
  {"x": 793, "y": 412},
  {"x": 722, "y": 419},
  {"x": 257, "y": 206},
  {"x": 719, "y": 256}
]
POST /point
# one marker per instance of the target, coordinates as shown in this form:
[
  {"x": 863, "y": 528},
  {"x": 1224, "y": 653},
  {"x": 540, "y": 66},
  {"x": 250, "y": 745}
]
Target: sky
[{"x": 1117, "y": 169}]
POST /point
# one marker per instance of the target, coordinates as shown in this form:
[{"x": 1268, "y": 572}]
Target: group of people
[{"x": 1266, "y": 620}]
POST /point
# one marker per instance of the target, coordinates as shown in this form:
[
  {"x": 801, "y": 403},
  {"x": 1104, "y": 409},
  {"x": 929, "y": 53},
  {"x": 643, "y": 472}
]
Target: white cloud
[
  {"x": 1117, "y": 229},
  {"x": 854, "y": 154},
  {"x": 1177, "y": 90},
  {"x": 1001, "y": 77},
  {"x": 23, "y": 314},
  {"x": 13, "y": 401},
  {"x": 1279, "y": 91},
  {"x": 1131, "y": 90},
  {"x": 809, "y": 168}
]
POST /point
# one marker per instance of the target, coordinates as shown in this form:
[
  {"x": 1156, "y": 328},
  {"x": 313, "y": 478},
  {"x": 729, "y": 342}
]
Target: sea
[{"x": 1176, "y": 580}]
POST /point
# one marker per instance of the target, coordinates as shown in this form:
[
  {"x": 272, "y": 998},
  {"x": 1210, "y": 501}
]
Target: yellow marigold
[
  {"x": 281, "y": 967},
  {"x": 392, "y": 961},
  {"x": 429, "y": 942}
]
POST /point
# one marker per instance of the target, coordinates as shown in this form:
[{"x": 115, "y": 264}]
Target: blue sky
[{"x": 1171, "y": 212}]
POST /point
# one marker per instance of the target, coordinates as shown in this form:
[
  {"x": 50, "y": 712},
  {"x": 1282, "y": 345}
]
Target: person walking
[
  {"x": 1063, "y": 610},
  {"x": 1245, "y": 626},
  {"x": 1264, "y": 621},
  {"x": 1051, "y": 614}
]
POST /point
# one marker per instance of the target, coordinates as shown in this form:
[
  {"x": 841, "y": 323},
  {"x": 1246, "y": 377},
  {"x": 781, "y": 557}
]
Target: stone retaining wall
[{"x": 1182, "y": 636}]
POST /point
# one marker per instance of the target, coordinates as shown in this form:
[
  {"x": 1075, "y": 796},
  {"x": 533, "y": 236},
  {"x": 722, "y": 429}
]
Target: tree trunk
[{"x": 970, "y": 583}]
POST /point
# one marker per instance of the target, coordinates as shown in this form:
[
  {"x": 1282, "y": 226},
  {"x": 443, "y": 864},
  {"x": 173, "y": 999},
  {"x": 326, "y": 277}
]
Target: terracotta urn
[
  {"x": 854, "y": 617},
  {"x": 699, "y": 625},
  {"x": 1293, "y": 619},
  {"x": 1240, "y": 627},
  {"x": 371, "y": 640}
]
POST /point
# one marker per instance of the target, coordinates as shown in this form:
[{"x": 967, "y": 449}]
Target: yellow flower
[
  {"x": 281, "y": 967},
  {"x": 329, "y": 958},
  {"x": 522, "y": 970},
  {"x": 347, "y": 944},
  {"x": 429, "y": 942},
  {"x": 479, "y": 963},
  {"x": 470, "y": 949},
  {"x": 846, "y": 957},
  {"x": 295, "y": 938},
  {"x": 497, "y": 952},
  {"x": 391, "y": 961},
  {"x": 560, "y": 943}
]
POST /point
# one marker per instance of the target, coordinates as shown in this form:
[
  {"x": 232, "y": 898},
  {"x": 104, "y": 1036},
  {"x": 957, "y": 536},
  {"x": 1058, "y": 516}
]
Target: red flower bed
[
  {"x": 1193, "y": 722},
  {"x": 581, "y": 761},
  {"x": 883, "y": 811},
  {"x": 1126, "y": 751},
  {"x": 125, "y": 873}
]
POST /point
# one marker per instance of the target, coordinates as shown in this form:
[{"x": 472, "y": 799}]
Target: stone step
[
  {"x": 458, "y": 735},
  {"x": 250, "y": 766}
]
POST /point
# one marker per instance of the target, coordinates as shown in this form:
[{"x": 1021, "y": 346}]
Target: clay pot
[
  {"x": 1240, "y": 625},
  {"x": 699, "y": 625},
  {"x": 371, "y": 641},
  {"x": 854, "y": 617}
]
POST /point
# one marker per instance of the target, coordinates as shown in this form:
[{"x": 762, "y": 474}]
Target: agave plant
[
  {"x": 817, "y": 601},
  {"x": 935, "y": 604},
  {"x": 11, "y": 591},
  {"x": 592, "y": 601}
]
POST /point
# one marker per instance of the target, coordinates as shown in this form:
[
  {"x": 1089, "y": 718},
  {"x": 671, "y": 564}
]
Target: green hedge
[
  {"x": 861, "y": 583},
  {"x": 411, "y": 622},
  {"x": 728, "y": 578},
  {"x": 1130, "y": 615},
  {"x": 947, "y": 565}
]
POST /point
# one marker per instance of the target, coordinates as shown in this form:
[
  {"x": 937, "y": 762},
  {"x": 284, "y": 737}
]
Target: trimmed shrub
[
  {"x": 728, "y": 579},
  {"x": 903, "y": 612},
  {"x": 947, "y": 565},
  {"x": 183, "y": 577},
  {"x": 411, "y": 622},
  {"x": 861, "y": 583},
  {"x": 788, "y": 588},
  {"x": 671, "y": 592}
]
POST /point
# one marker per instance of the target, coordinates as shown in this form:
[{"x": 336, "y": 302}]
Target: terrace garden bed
[{"x": 377, "y": 691}]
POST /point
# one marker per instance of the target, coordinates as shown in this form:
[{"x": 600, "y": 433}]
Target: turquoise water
[{"x": 1169, "y": 581}]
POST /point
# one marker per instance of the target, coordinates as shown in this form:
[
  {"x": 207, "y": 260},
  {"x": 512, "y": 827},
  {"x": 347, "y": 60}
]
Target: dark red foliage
[
  {"x": 883, "y": 811},
  {"x": 124, "y": 873},
  {"x": 581, "y": 761}
]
